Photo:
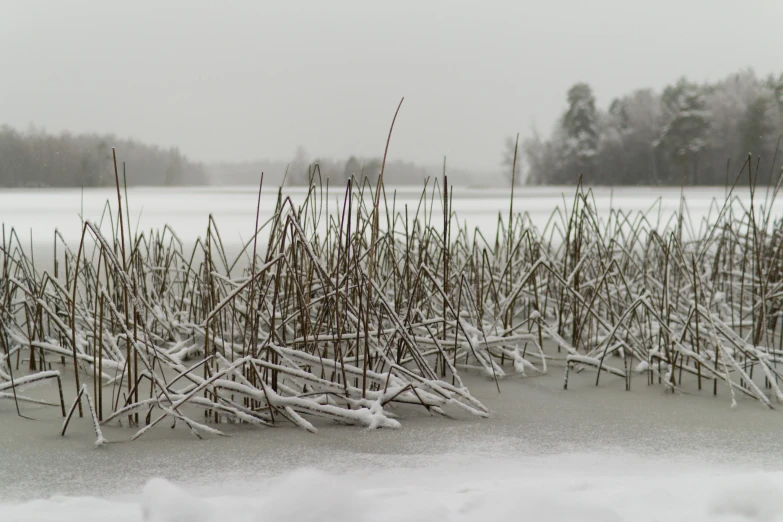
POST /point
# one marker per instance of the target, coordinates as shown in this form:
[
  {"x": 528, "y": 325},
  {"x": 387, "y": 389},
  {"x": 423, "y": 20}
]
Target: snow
[
  {"x": 643, "y": 366},
  {"x": 546, "y": 455},
  {"x": 575, "y": 487}
]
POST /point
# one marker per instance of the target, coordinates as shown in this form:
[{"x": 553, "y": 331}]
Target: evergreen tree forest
[
  {"x": 38, "y": 159},
  {"x": 697, "y": 134}
]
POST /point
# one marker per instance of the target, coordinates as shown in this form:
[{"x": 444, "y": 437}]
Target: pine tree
[
  {"x": 757, "y": 126},
  {"x": 580, "y": 124},
  {"x": 627, "y": 152},
  {"x": 299, "y": 168},
  {"x": 684, "y": 132},
  {"x": 353, "y": 167},
  {"x": 510, "y": 150}
]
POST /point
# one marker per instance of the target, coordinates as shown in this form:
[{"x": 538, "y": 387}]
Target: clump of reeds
[{"x": 340, "y": 314}]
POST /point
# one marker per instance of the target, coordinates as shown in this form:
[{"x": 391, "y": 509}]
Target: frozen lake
[
  {"x": 546, "y": 454},
  {"x": 186, "y": 210}
]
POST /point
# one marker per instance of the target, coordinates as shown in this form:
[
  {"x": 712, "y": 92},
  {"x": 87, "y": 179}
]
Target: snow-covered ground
[{"x": 572, "y": 487}]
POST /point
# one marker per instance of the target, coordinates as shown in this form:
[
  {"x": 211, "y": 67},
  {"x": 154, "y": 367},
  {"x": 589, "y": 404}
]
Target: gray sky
[{"x": 242, "y": 80}]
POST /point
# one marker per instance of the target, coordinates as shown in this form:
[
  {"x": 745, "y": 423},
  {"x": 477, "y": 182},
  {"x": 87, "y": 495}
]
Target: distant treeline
[
  {"x": 339, "y": 171},
  {"x": 299, "y": 170},
  {"x": 648, "y": 138},
  {"x": 38, "y": 159}
]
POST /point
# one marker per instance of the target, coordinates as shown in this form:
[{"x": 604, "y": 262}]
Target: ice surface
[
  {"x": 599, "y": 454},
  {"x": 186, "y": 210}
]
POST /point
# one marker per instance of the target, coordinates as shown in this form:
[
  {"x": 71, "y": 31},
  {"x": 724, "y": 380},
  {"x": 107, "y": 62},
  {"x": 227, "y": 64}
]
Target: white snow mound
[{"x": 578, "y": 488}]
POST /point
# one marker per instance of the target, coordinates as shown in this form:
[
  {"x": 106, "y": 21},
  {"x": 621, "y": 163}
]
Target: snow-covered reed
[{"x": 343, "y": 313}]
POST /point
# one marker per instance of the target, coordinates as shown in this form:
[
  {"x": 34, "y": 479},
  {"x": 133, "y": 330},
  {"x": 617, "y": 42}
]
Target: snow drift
[{"x": 577, "y": 487}]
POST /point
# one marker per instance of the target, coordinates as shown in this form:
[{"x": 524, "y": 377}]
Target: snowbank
[{"x": 594, "y": 487}]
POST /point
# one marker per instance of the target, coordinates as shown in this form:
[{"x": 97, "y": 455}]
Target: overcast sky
[{"x": 242, "y": 80}]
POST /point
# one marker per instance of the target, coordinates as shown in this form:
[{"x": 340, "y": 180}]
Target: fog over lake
[{"x": 186, "y": 210}]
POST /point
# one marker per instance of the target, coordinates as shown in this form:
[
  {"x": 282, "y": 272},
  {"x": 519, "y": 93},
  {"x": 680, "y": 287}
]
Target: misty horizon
[
  {"x": 682, "y": 134},
  {"x": 258, "y": 80}
]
